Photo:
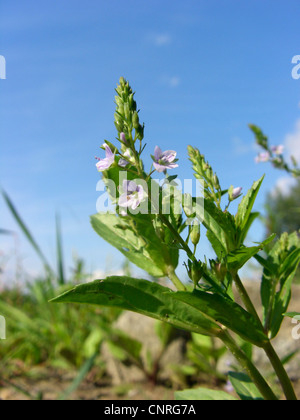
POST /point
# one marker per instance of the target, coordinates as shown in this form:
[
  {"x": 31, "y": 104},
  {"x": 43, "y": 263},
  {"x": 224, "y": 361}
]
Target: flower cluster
[
  {"x": 128, "y": 156},
  {"x": 273, "y": 153}
]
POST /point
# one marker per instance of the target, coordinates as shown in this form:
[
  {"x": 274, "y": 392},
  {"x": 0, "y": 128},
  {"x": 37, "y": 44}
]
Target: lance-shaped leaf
[
  {"x": 137, "y": 240},
  {"x": 221, "y": 228},
  {"x": 244, "y": 387},
  {"x": 295, "y": 315},
  {"x": 245, "y": 208},
  {"x": 226, "y": 312},
  {"x": 238, "y": 258},
  {"x": 279, "y": 271},
  {"x": 145, "y": 297}
]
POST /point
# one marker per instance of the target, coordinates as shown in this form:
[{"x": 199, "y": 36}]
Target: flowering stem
[
  {"x": 164, "y": 220},
  {"x": 249, "y": 367}
]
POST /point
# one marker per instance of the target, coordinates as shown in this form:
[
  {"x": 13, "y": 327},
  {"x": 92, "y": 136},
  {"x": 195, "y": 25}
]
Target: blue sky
[{"x": 202, "y": 71}]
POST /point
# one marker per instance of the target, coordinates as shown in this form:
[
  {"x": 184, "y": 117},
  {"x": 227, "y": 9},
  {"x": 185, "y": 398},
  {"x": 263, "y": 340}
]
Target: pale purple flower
[
  {"x": 262, "y": 157},
  {"x": 277, "y": 150},
  {"x": 163, "y": 160},
  {"x": 109, "y": 159},
  {"x": 124, "y": 162},
  {"x": 132, "y": 195},
  {"x": 236, "y": 192}
]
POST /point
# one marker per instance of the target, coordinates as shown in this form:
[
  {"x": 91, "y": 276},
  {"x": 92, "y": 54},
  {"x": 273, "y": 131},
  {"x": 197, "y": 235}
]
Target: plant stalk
[
  {"x": 249, "y": 367},
  {"x": 175, "y": 280},
  {"x": 280, "y": 372},
  {"x": 267, "y": 347}
]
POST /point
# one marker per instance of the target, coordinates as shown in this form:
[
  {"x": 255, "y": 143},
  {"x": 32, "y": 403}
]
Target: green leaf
[
  {"x": 226, "y": 312},
  {"x": 244, "y": 387},
  {"x": 137, "y": 240},
  {"x": 236, "y": 259},
  {"x": 203, "y": 394},
  {"x": 252, "y": 217},
  {"x": 283, "y": 297},
  {"x": 295, "y": 315},
  {"x": 127, "y": 344},
  {"x": 243, "y": 216},
  {"x": 221, "y": 227},
  {"x": 279, "y": 272},
  {"x": 142, "y": 296}
]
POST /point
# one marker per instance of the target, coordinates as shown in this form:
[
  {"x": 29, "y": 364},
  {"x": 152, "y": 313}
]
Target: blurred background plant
[{"x": 282, "y": 204}]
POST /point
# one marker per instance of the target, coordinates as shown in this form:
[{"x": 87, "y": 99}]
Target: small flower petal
[
  {"x": 123, "y": 163},
  {"x": 277, "y": 150},
  {"x": 262, "y": 157},
  {"x": 109, "y": 159},
  {"x": 158, "y": 167},
  {"x": 123, "y": 137},
  {"x": 157, "y": 153},
  {"x": 163, "y": 160},
  {"x": 168, "y": 155}
]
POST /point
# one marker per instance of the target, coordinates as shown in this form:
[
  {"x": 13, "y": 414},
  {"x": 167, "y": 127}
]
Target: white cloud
[
  {"x": 160, "y": 40},
  {"x": 174, "y": 81},
  {"x": 283, "y": 186},
  {"x": 170, "y": 81},
  {"x": 242, "y": 148},
  {"x": 292, "y": 142}
]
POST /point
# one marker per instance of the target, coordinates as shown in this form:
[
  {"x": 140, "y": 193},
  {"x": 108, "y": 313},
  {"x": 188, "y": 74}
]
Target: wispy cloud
[
  {"x": 171, "y": 81},
  {"x": 283, "y": 186},
  {"x": 292, "y": 142},
  {"x": 241, "y": 148},
  {"x": 160, "y": 39}
]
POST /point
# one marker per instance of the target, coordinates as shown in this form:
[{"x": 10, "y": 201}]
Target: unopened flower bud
[
  {"x": 188, "y": 205},
  {"x": 118, "y": 100},
  {"x": 122, "y": 81},
  {"x": 132, "y": 102},
  {"x": 135, "y": 120},
  {"x": 219, "y": 269},
  {"x": 234, "y": 193},
  {"x": 195, "y": 233},
  {"x": 121, "y": 109},
  {"x": 216, "y": 182},
  {"x": 140, "y": 132},
  {"x": 195, "y": 271},
  {"x": 119, "y": 126},
  {"x": 123, "y": 137},
  {"x": 126, "y": 111}
]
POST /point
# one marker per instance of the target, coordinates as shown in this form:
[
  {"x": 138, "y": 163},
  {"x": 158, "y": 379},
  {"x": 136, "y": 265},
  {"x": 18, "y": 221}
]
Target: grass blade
[
  {"x": 26, "y": 231},
  {"x": 59, "y": 253}
]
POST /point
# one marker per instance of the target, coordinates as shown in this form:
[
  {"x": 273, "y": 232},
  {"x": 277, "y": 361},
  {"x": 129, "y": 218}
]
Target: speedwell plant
[{"x": 153, "y": 238}]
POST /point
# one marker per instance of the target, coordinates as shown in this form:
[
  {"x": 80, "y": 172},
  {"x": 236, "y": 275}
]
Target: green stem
[
  {"x": 245, "y": 297},
  {"x": 246, "y": 364},
  {"x": 281, "y": 372},
  {"x": 178, "y": 237},
  {"x": 267, "y": 347},
  {"x": 175, "y": 280}
]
